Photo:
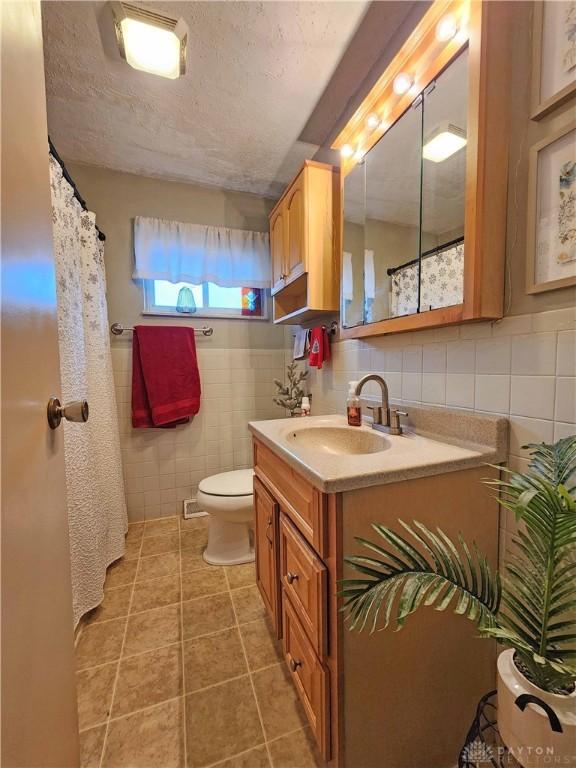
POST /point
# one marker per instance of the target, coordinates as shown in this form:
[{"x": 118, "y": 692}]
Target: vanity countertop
[{"x": 336, "y": 457}]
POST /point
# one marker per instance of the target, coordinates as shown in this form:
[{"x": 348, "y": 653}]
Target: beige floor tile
[
  {"x": 201, "y": 583},
  {"x": 297, "y": 750},
  {"x": 194, "y": 523},
  {"x": 120, "y": 574},
  {"x": 94, "y": 690},
  {"x": 160, "y": 527},
  {"x": 135, "y": 532},
  {"x": 279, "y": 704},
  {"x": 148, "y": 679},
  {"x": 91, "y": 743},
  {"x": 158, "y": 565},
  {"x": 248, "y": 604},
  {"x": 149, "y": 739},
  {"x": 132, "y": 551},
  {"x": 157, "y": 545},
  {"x": 213, "y": 659},
  {"x": 156, "y": 593},
  {"x": 262, "y": 648},
  {"x": 207, "y": 614},
  {"x": 194, "y": 538},
  {"x": 152, "y": 629},
  {"x": 192, "y": 560},
  {"x": 221, "y": 721},
  {"x": 100, "y": 643},
  {"x": 241, "y": 575},
  {"x": 254, "y": 758},
  {"x": 113, "y": 606}
]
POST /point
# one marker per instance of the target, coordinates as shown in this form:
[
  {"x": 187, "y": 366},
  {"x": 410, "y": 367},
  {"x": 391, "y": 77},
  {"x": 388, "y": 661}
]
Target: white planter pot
[{"x": 528, "y": 733}]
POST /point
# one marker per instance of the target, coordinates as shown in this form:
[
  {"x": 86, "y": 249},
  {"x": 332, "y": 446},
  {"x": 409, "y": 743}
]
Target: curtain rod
[
  {"x": 70, "y": 180},
  {"x": 391, "y": 270}
]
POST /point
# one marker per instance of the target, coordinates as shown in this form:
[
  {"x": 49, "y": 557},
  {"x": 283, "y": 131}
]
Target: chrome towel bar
[{"x": 117, "y": 329}]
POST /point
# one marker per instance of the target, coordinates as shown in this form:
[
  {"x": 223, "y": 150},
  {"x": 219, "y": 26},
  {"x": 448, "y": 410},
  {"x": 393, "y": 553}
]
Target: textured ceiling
[{"x": 256, "y": 71}]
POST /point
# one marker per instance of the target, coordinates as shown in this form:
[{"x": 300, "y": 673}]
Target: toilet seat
[{"x": 238, "y": 482}]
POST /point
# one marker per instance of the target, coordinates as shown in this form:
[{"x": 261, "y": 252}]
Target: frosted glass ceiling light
[
  {"x": 443, "y": 142},
  {"x": 402, "y": 83},
  {"x": 446, "y": 28},
  {"x": 149, "y": 41}
]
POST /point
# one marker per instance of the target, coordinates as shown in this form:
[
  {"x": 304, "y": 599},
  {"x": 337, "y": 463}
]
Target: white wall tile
[
  {"x": 460, "y": 390},
  {"x": 412, "y": 359},
  {"x": 434, "y": 388},
  {"x": 532, "y": 396},
  {"x": 565, "y": 399},
  {"x": 556, "y": 320},
  {"x": 534, "y": 354},
  {"x": 411, "y": 386},
  {"x": 523, "y": 431},
  {"x": 510, "y": 326},
  {"x": 562, "y": 430},
  {"x": 493, "y": 355},
  {"x": 492, "y": 393},
  {"x": 434, "y": 358},
  {"x": 461, "y": 357},
  {"x": 566, "y": 354}
]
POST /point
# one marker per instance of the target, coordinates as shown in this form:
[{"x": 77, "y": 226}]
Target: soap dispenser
[{"x": 353, "y": 406}]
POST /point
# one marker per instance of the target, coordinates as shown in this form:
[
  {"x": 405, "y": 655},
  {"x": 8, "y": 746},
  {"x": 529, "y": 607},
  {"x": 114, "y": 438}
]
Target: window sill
[{"x": 203, "y": 315}]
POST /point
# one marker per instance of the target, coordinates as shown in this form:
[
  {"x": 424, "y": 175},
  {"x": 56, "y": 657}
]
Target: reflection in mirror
[
  {"x": 392, "y": 225},
  {"x": 443, "y": 188},
  {"x": 352, "y": 298}
]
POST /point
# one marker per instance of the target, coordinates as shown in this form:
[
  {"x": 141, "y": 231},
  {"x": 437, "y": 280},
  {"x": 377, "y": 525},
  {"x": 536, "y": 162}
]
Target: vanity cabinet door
[
  {"x": 266, "y": 513},
  {"x": 296, "y": 239},
  {"x": 278, "y": 249}
]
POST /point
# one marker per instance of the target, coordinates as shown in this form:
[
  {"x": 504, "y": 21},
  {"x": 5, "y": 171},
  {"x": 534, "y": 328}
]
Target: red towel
[
  {"x": 165, "y": 379},
  {"x": 319, "y": 343}
]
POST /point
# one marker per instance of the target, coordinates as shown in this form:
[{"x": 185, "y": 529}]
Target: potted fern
[{"x": 530, "y": 607}]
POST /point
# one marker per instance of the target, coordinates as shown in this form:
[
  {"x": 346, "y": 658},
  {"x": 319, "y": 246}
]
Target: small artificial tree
[{"x": 290, "y": 395}]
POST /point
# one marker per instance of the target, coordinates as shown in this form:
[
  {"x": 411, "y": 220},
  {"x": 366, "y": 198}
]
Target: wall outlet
[{"x": 191, "y": 509}]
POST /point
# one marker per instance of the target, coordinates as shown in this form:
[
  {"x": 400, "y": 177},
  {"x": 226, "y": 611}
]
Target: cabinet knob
[
  {"x": 294, "y": 664},
  {"x": 291, "y": 577}
]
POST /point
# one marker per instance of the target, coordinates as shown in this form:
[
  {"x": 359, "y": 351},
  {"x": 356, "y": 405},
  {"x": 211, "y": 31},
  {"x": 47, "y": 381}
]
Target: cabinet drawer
[
  {"x": 309, "y": 676},
  {"x": 303, "y": 503},
  {"x": 304, "y": 579}
]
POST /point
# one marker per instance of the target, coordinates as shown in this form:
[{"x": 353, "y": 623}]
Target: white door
[{"x": 39, "y": 721}]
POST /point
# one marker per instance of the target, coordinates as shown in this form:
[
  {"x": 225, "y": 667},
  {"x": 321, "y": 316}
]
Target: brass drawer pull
[
  {"x": 294, "y": 664},
  {"x": 291, "y": 577}
]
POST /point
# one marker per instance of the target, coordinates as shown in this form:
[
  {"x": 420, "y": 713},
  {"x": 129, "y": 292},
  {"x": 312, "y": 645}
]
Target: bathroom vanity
[{"x": 394, "y": 699}]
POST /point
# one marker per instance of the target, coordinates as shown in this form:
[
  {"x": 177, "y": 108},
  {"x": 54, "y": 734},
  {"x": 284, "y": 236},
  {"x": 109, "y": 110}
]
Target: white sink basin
[{"x": 337, "y": 441}]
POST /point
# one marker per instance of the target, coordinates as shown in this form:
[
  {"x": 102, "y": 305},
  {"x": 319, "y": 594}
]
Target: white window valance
[{"x": 197, "y": 253}]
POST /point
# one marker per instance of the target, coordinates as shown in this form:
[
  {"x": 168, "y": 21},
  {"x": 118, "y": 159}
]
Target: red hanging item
[{"x": 319, "y": 344}]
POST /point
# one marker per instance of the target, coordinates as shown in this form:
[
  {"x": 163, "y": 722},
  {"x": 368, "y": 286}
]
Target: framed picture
[
  {"x": 551, "y": 235},
  {"x": 554, "y": 56}
]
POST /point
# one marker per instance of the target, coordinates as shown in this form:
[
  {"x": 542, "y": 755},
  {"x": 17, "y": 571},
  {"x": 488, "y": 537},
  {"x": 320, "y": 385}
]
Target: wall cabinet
[
  {"x": 390, "y": 698},
  {"x": 304, "y": 243}
]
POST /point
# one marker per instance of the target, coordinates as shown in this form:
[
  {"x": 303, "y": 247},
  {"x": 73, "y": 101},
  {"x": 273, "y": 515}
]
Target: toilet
[{"x": 228, "y": 499}]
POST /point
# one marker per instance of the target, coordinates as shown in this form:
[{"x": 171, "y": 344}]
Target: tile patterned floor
[{"x": 178, "y": 667}]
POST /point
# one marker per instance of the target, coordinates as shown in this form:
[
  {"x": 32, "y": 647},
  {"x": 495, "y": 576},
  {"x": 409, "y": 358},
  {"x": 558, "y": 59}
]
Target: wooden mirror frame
[{"x": 484, "y": 27}]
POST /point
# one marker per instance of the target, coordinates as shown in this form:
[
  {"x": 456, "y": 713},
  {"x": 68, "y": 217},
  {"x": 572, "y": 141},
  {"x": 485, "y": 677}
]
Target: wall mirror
[{"x": 424, "y": 167}]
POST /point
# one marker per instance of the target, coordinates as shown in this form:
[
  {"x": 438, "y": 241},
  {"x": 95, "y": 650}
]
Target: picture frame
[
  {"x": 552, "y": 84},
  {"x": 551, "y": 219}
]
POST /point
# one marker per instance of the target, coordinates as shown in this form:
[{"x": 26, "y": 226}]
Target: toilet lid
[{"x": 236, "y": 483}]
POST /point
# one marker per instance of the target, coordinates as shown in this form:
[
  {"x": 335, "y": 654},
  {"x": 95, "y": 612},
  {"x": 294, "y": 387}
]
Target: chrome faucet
[{"x": 383, "y": 419}]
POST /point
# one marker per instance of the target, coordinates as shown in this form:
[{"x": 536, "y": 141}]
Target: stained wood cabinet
[
  {"x": 266, "y": 511},
  {"x": 305, "y": 245}
]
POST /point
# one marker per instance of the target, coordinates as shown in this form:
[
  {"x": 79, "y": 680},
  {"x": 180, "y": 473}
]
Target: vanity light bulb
[
  {"x": 359, "y": 155},
  {"x": 346, "y": 151},
  {"x": 402, "y": 83},
  {"x": 372, "y": 122},
  {"x": 446, "y": 28}
]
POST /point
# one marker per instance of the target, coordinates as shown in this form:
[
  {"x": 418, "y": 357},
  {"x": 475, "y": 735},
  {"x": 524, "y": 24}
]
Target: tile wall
[
  {"x": 164, "y": 466},
  {"x": 523, "y": 367}
]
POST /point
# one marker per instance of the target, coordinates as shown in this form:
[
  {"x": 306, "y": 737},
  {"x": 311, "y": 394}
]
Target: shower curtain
[{"x": 94, "y": 482}]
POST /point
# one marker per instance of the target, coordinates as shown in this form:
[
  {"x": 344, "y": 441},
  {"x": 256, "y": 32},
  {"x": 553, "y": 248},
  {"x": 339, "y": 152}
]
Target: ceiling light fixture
[
  {"x": 402, "y": 83},
  {"x": 443, "y": 142},
  {"x": 346, "y": 151},
  {"x": 359, "y": 155},
  {"x": 372, "y": 122},
  {"x": 446, "y": 28},
  {"x": 149, "y": 41}
]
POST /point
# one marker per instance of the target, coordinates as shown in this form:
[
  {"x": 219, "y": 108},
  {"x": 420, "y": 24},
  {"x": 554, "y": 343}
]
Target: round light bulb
[
  {"x": 359, "y": 155},
  {"x": 372, "y": 121},
  {"x": 402, "y": 83},
  {"x": 346, "y": 151},
  {"x": 446, "y": 28}
]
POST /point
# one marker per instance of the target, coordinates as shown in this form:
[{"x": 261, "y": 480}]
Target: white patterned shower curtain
[{"x": 94, "y": 482}]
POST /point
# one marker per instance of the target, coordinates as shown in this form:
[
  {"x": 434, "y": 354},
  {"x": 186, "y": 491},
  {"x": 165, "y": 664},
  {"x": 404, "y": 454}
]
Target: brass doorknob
[{"x": 76, "y": 411}]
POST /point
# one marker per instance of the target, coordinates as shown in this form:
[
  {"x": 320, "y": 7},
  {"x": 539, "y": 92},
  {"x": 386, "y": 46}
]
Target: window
[{"x": 162, "y": 297}]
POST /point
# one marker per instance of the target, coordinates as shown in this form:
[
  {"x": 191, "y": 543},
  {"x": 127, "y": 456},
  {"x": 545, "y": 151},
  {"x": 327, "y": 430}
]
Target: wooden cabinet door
[
  {"x": 296, "y": 233},
  {"x": 278, "y": 249},
  {"x": 266, "y": 513}
]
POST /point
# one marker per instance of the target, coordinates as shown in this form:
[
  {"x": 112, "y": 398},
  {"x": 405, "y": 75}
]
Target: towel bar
[{"x": 117, "y": 329}]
